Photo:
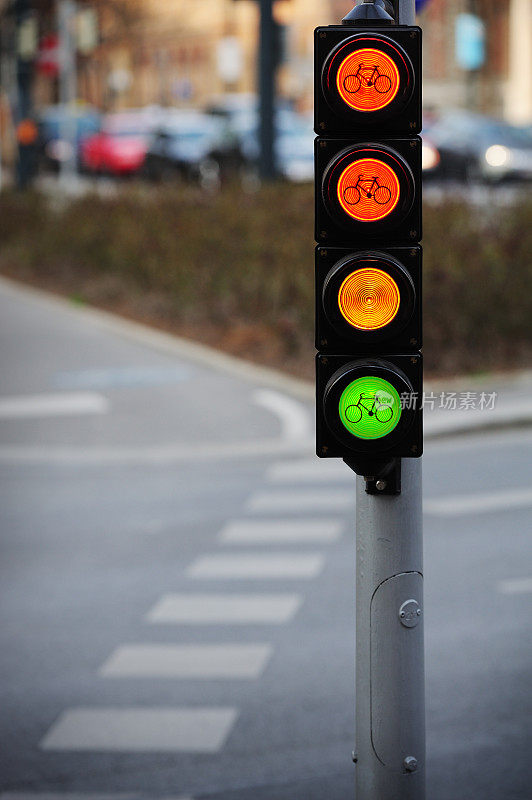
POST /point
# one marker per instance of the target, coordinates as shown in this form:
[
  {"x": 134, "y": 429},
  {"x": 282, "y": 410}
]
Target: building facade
[{"x": 184, "y": 52}]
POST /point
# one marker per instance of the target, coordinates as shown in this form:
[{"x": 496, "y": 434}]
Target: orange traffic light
[{"x": 369, "y": 299}]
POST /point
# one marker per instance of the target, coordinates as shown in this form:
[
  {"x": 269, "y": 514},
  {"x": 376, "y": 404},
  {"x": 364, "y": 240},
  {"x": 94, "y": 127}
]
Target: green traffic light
[{"x": 370, "y": 407}]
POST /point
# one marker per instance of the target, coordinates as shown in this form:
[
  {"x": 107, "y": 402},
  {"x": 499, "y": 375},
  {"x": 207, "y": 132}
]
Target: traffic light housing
[
  {"x": 368, "y": 410},
  {"x": 368, "y": 301},
  {"x": 366, "y": 78},
  {"x": 368, "y": 190},
  {"x": 368, "y": 258}
]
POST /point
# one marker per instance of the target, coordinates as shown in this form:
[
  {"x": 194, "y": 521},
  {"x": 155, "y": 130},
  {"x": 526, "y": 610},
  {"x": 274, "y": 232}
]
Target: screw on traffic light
[{"x": 368, "y": 225}]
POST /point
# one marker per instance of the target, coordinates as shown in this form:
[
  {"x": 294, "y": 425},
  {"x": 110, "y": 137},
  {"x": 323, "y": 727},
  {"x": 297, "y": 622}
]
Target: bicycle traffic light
[{"x": 368, "y": 260}]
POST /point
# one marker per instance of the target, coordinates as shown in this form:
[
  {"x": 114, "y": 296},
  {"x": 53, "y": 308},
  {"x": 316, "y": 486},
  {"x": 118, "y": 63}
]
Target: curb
[{"x": 167, "y": 342}]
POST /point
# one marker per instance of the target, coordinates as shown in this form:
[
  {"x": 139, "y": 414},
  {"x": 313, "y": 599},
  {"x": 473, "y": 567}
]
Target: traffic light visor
[
  {"x": 369, "y": 299},
  {"x": 369, "y": 407},
  {"x": 368, "y": 189},
  {"x": 368, "y": 80}
]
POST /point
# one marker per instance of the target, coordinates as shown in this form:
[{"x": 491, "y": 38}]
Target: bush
[{"x": 236, "y": 270}]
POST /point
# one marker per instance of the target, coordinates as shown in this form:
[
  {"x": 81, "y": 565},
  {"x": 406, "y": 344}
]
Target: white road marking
[
  {"x": 225, "y": 609},
  {"x": 163, "y": 454},
  {"x": 484, "y": 440},
  {"x": 455, "y": 505},
  {"x": 293, "y": 415},
  {"x": 141, "y": 730},
  {"x": 301, "y": 501},
  {"x": 515, "y": 411},
  {"x": 261, "y": 566},
  {"x": 515, "y": 586},
  {"x": 310, "y": 469},
  {"x": 121, "y": 377},
  {"x": 195, "y": 662},
  {"x": 52, "y": 405},
  {"x": 257, "y": 448},
  {"x": 280, "y": 531}
]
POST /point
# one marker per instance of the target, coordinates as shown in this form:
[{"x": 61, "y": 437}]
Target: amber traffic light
[{"x": 368, "y": 299}]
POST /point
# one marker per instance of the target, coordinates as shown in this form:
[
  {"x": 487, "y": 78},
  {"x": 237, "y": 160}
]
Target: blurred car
[
  {"x": 294, "y": 151},
  {"x": 465, "y": 146},
  {"x": 233, "y": 104},
  {"x": 293, "y": 146},
  {"x": 120, "y": 147},
  {"x": 57, "y": 124},
  {"x": 192, "y": 145}
]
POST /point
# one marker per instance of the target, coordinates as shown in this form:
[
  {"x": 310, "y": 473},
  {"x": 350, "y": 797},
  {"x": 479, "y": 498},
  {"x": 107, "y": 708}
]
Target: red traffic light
[
  {"x": 367, "y": 77},
  {"x": 368, "y": 188}
]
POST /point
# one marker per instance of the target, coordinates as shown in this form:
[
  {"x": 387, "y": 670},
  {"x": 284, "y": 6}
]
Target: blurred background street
[
  {"x": 167, "y": 89},
  {"x": 177, "y": 579},
  {"x": 176, "y": 566}
]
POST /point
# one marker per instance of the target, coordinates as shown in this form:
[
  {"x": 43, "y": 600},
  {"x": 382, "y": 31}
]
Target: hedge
[{"x": 236, "y": 269}]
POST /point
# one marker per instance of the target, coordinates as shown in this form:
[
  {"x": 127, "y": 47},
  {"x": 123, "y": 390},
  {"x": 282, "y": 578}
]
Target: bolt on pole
[{"x": 390, "y": 674}]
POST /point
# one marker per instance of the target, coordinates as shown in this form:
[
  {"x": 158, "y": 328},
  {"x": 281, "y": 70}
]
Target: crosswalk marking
[
  {"x": 52, "y": 405},
  {"x": 280, "y": 531},
  {"x": 515, "y": 586},
  {"x": 456, "y": 505},
  {"x": 119, "y": 377},
  {"x": 141, "y": 730},
  {"x": 257, "y": 567},
  {"x": 301, "y": 501},
  {"x": 195, "y": 662},
  {"x": 225, "y": 609},
  {"x": 306, "y": 470}
]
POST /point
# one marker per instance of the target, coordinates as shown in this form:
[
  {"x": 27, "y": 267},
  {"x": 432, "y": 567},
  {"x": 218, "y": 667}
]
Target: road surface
[{"x": 176, "y": 582}]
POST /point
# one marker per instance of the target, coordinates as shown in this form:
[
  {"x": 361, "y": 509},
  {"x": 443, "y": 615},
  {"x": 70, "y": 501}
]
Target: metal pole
[
  {"x": 66, "y": 14},
  {"x": 24, "y": 73},
  {"x": 390, "y": 674},
  {"x": 24, "y": 66},
  {"x": 266, "y": 90},
  {"x": 407, "y": 12},
  {"x": 390, "y": 691}
]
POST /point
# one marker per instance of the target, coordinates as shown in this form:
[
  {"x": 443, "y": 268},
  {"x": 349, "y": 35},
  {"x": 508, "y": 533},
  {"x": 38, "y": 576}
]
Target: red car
[{"x": 120, "y": 147}]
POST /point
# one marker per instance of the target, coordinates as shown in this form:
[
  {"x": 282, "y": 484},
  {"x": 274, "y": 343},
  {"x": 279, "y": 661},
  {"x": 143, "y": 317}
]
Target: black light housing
[{"x": 369, "y": 373}]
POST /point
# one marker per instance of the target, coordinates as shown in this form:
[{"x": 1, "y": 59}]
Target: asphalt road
[{"x": 176, "y": 582}]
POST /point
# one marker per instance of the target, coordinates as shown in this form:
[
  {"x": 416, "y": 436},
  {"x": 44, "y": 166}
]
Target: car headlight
[
  {"x": 430, "y": 157},
  {"x": 59, "y": 150},
  {"x": 497, "y": 156}
]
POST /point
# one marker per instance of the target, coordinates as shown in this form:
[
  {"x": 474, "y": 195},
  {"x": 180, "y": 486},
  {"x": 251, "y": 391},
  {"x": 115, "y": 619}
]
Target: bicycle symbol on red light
[
  {"x": 369, "y": 188},
  {"x": 369, "y": 78}
]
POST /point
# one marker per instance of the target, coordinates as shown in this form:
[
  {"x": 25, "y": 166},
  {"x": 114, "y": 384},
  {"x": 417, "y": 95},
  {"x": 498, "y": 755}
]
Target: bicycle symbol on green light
[{"x": 371, "y": 405}]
